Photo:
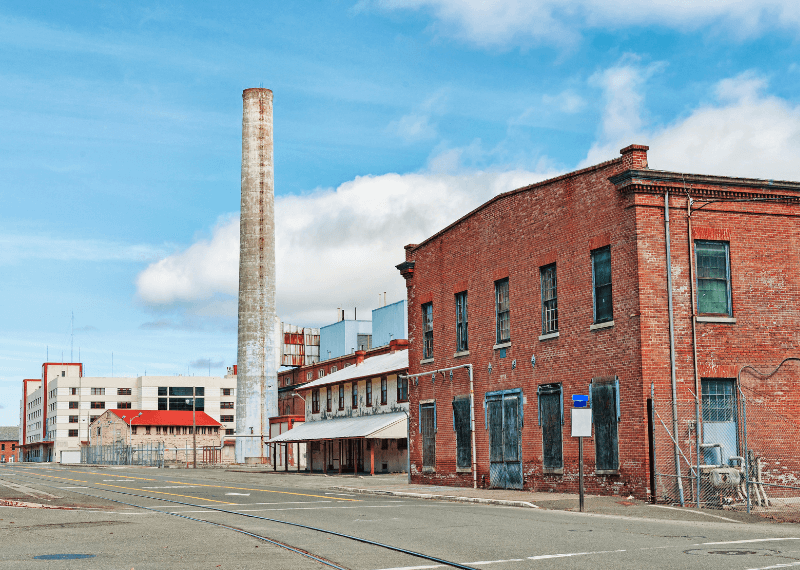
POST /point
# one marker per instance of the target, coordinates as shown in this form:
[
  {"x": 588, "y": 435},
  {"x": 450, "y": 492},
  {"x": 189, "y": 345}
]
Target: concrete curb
[{"x": 432, "y": 497}]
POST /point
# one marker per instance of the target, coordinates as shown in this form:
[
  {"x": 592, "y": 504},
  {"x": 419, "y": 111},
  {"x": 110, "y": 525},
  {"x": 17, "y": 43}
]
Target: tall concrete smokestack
[{"x": 257, "y": 380}]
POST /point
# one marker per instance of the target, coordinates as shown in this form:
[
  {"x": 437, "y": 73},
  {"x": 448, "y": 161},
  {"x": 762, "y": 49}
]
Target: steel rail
[{"x": 248, "y": 515}]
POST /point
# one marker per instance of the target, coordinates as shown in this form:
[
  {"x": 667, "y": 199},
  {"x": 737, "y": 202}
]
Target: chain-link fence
[
  {"x": 119, "y": 453},
  {"x": 730, "y": 449}
]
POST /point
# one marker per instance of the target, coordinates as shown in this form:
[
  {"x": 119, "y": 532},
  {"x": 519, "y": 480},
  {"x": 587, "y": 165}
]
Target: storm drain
[{"x": 733, "y": 552}]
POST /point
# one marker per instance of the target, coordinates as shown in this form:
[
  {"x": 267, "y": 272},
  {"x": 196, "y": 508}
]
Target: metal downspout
[
  {"x": 697, "y": 423},
  {"x": 472, "y": 428},
  {"x": 672, "y": 348}
]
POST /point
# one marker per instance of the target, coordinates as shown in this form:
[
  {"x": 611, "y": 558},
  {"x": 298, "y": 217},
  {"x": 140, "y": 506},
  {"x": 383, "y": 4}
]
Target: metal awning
[{"x": 385, "y": 426}]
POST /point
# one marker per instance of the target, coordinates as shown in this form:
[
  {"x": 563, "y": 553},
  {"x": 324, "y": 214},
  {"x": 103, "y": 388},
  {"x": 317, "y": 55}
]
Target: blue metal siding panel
[{"x": 389, "y": 323}]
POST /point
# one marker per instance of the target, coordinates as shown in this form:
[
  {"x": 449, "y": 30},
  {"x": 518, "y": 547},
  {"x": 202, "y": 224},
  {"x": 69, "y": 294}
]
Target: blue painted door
[{"x": 505, "y": 458}]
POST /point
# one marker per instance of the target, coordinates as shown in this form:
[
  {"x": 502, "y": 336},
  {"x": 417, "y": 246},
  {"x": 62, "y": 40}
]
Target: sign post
[{"x": 581, "y": 427}]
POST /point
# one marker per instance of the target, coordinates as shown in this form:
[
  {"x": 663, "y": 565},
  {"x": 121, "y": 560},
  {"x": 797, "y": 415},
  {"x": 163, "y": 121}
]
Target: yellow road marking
[
  {"x": 266, "y": 491},
  {"x": 140, "y": 490},
  {"x": 223, "y": 487}
]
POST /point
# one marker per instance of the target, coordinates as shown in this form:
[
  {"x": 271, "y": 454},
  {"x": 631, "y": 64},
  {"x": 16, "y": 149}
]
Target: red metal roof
[{"x": 165, "y": 418}]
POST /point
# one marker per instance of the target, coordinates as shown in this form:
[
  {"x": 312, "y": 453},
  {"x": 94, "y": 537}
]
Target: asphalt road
[{"x": 117, "y": 535}]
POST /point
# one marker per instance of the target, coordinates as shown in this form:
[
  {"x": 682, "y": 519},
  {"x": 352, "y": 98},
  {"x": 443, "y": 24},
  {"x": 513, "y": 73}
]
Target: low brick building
[
  {"x": 9, "y": 444},
  {"x": 355, "y": 418},
  {"x": 172, "y": 428},
  {"x": 561, "y": 288}
]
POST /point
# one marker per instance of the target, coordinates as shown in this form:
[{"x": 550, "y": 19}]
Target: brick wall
[{"x": 561, "y": 221}]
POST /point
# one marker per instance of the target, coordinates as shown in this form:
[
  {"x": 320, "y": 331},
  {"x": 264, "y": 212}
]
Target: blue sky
[{"x": 120, "y": 146}]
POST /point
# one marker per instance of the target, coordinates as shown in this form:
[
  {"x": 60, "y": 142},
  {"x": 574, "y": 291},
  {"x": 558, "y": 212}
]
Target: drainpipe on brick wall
[
  {"x": 472, "y": 428},
  {"x": 697, "y": 422},
  {"x": 672, "y": 350}
]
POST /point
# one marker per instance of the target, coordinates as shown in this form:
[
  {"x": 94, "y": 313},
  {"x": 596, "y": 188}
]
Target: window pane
[
  {"x": 461, "y": 322},
  {"x": 502, "y": 311},
  {"x": 549, "y": 300},
  {"x": 427, "y": 330},
  {"x": 601, "y": 275},
  {"x": 713, "y": 287}
]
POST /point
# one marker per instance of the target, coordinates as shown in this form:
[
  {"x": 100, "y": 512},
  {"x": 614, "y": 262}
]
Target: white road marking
[
  {"x": 239, "y": 494},
  {"x": 544, "y": 556},
  {"x": 120, "y": 480},
  {"x": 72, "y": 487},
  {"x": 751, "y": 540},
  {"x": 777, "y": 566},
  {"x": 695, "y": 512},
  {"x": 487, "y": 562},
  {"x": 316, "y": 508},
  {"x": 174, "y": 487}
]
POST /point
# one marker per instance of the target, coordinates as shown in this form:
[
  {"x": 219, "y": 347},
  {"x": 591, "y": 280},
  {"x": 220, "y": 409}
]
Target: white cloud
[
  {"x": 743, "y": 132},
  {"x": 335, "y": 247},
  {"x": 197, "y": 273},
  {"x": 504, "y": 23}
]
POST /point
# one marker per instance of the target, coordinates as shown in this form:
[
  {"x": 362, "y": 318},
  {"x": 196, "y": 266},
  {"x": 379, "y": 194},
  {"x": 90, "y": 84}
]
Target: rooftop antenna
[{"x": 72, "y": 336}]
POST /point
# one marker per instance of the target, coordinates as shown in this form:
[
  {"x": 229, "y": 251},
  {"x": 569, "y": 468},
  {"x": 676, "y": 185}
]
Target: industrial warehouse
[{"x": 668, "y": 299}]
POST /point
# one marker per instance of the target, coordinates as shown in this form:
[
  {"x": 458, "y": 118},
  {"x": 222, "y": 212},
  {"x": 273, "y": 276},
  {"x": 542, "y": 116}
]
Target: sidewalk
[{"x": 397, "y": 486}]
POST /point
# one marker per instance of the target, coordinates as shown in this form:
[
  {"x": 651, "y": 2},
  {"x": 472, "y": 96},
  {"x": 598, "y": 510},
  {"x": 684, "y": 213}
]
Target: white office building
[{"x": 56, "y": 409}]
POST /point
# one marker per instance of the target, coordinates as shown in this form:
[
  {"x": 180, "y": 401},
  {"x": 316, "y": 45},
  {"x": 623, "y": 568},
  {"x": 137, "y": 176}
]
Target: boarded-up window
[
  {"x": 461, "y": 424},
  {"x": 427, "y": 426},
  {"x": 551, "y": 416},
  {"x": 605, "y": 415}
]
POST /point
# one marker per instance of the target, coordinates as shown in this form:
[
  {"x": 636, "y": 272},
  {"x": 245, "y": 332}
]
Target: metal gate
[{"x": 504, "y": 419}]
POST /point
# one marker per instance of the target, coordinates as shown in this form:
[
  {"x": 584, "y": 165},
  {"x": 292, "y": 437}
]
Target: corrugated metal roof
[
  {"x": 371, "y": 367},
  {"x": 9, "y": 433},
  {"x": 165, "y": 418},
  {"x": 341, "y": 428}
]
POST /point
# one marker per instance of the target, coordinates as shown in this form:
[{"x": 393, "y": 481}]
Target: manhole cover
[
  {"x": 62, "y": 556},
  {"x": 732, "y": 552}
]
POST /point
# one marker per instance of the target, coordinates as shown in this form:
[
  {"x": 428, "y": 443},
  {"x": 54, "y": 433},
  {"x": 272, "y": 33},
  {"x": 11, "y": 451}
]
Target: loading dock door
[{"x": 504, "y": 422}]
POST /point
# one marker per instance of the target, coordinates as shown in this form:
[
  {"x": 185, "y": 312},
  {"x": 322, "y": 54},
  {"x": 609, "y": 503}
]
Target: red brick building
[
  {"x": 560, "y": 288},
  {"x": 9, "y": 444}
]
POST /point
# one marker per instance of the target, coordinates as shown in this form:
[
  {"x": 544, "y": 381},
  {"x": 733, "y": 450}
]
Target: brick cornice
[{"x": 714, "y": 187}]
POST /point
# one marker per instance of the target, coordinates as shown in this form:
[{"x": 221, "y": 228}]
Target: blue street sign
[{"x": 580, "y": 401}]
